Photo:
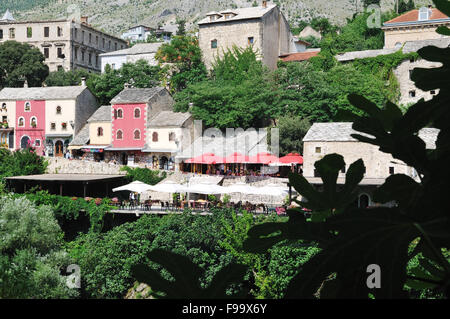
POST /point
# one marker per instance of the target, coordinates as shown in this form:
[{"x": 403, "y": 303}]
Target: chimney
[
  {"x": 191, "y": 105},
  {"x": 84, "y": 19},
  {"x": 83, "y": 81},
  {"x": 126, "y": 85},
  {"x": 264, "y": 4},
  {"x": 25, "y": 84}
]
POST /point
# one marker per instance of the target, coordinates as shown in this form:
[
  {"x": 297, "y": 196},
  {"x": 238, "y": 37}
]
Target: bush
[{"x": 30, "y": 252}]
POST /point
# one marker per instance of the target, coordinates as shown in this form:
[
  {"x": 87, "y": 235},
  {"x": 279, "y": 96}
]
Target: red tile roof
[
  {"x": 413, "y": 15},
  {"x": 301, "y": 56}
]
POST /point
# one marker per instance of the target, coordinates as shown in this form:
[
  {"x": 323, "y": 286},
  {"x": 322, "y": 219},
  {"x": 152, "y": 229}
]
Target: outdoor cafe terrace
[
  {"x": 199, "y": 197},
  {"x": 237, "y": 164}
]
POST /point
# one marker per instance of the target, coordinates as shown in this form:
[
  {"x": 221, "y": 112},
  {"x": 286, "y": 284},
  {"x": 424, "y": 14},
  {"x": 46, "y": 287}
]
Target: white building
[{"x": 140, "y": 51}]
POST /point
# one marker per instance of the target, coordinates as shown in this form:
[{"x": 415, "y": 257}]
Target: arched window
[
  {"x": 21, "y": 122},
  {"x": 119, "y": 135},
  {"x": 171, "y": 136},
  {"x": 100, "y": 131},
  {"x": 58, "y": 109},
  {"x": 137, "y": 113},
  {"x": 155, "y": 137},
  {"x": 33, "y": 121},
  {"x": 137, "y": 135},
  {"x": 27, "y": 107},
  {"x": 3, "y": 106},
  {"x": 120, "y": 114},
  {"x": 364, "y": 201}
]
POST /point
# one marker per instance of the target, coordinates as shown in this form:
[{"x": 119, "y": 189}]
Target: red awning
[
  {"x": 207, "y": 158},
  {"x": 263, "y": 158},
  {"x": 292, "y": 158},
  {"x": 236, "y": 158}
]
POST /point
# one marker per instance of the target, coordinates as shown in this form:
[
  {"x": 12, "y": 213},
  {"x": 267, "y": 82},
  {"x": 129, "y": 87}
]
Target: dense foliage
[
  {"x": 107, "y": 85},
  {"x": 66, "y": 78},
  {"x": 292, "y": 129},
  {"x": 144, "y": 175},
  {"x": 20, "y": 62},
  {"x": 21, "y": 162},
  {"x": 30, "y": 252},
  {"x": 68, "y": 208},
  {"x": 182, "y": 60}
]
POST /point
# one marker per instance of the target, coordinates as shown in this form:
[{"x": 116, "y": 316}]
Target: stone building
[
  {"x": 409, "y": 93},
  {"x": 46, "y": 118},
  {"x": 139, "y": 51},
  {"x": 414, "y": 25},
  {"x": 66, "y": 44},
  {"x": 328, "y": 138},
  {"x": 264, "y": 27}
]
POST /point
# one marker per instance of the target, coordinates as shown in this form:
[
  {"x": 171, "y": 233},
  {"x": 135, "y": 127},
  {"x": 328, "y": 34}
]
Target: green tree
[
  {"x": 292, "y": 130},
  {"x": 144, "y": 175},
  {"x": 21, "y": 162},
  {"x": 30, "y": 252},
  {"x": 66, "y": 78},
  {"x": 181, "y": 31},
  {"x": 107, "y": 85},
  {"x": 238, "y": 94},
  {"x": 20, "y": 62},
  {"x": 184, "y": 57}
]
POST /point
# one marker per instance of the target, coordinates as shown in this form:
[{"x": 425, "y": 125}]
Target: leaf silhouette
[{"x": 186, "y": 274}]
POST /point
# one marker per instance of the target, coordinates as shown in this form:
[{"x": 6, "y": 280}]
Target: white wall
[{"x": 117, "y": 60}]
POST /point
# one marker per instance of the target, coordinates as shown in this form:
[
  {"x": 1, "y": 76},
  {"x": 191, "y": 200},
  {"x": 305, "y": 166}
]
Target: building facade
[
  {"x": 131, "y": 112},
  {"x": 329, "y": 138},
  {"x": 263, "y": 27},
  {"x": 44, "y": 118},
  {"x": 414, "y": 25},
  {"x": 65, "y": 44},
  {"x": 142, "y": 32},
  {"x": 139, "y": 51}
]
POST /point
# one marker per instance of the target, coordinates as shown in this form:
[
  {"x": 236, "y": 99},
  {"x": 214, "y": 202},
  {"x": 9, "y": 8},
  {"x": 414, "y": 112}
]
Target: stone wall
[
  {"x": 228, "y": 34},
  {"x": 377, "y": 163},
  {"x": 402, "y": 73},
  {"x": 59, "y": 165}
]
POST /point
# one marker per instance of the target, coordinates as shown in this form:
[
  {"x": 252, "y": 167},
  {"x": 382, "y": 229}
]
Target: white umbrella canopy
[
  {"x": 241, "y": 188},
  {"x": 273, "y": 190},
  {"x": 206, "y": 189},
  {"x": 136, "y": 186},
  {"x": 168, "y": 187}
]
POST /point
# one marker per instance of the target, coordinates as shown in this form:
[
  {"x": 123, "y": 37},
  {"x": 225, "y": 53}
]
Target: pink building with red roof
[
  {"x": 45, "y": 118},
  {"x": 132, "y": 110}
]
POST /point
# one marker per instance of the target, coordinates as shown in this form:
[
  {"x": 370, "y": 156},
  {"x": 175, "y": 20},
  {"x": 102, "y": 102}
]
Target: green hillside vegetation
[{"x": 23, "y": 5}]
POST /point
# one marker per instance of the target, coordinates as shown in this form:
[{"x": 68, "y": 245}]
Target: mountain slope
[{"x": 115, "y": 16}]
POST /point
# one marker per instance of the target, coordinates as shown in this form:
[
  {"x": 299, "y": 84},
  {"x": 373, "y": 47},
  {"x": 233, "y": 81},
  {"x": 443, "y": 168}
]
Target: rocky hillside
[{"x": 115, "y": 16}]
